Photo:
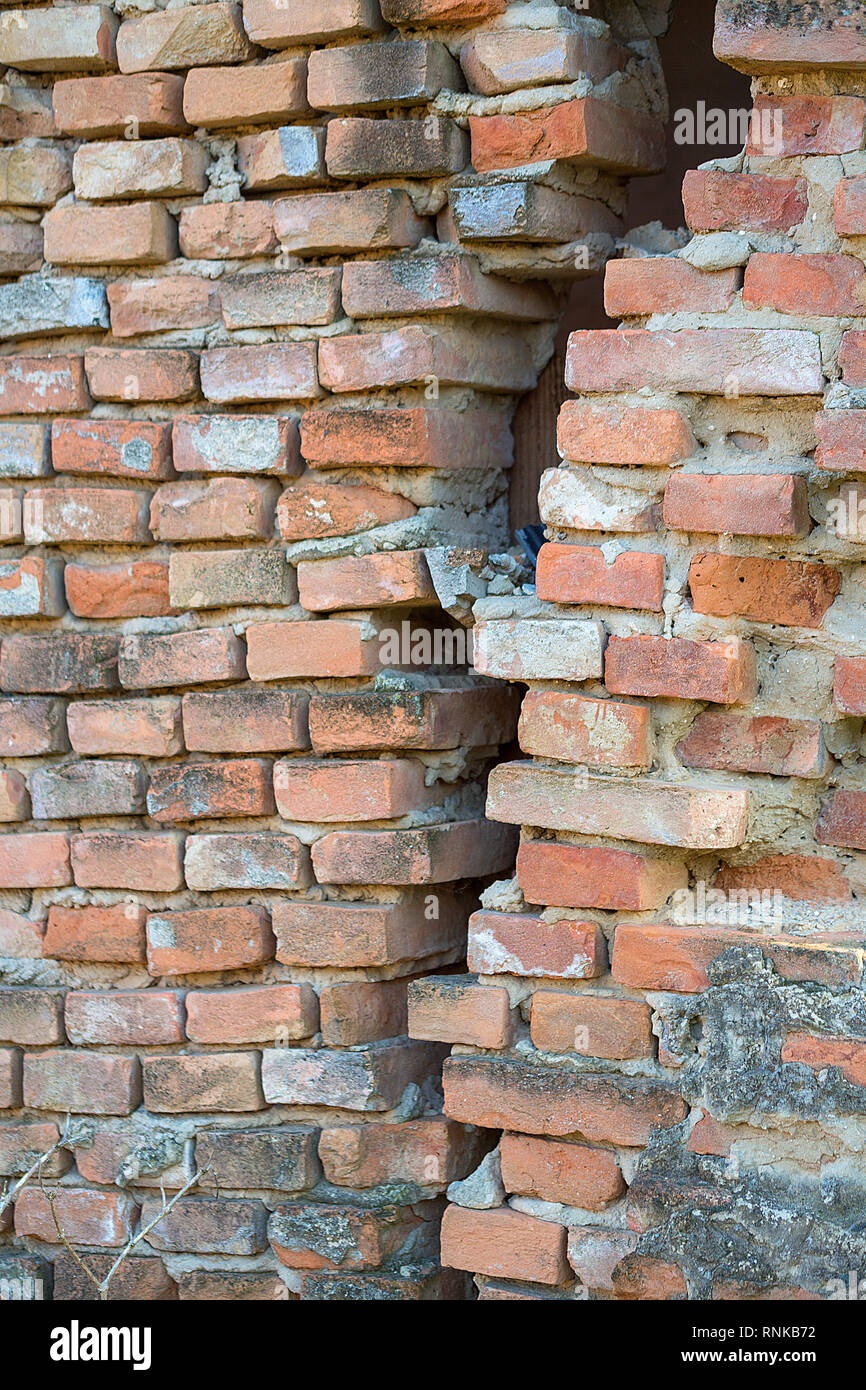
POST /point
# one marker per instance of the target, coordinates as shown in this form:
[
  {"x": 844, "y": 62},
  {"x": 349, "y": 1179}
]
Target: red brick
[
  {"x": 822, "y": 284},
  {"x": 849, "y": 206},
  {"x": 151, "y": 728},
  {"x": 208, "y": 1225},
  {"x": 272, "y": 1014},
  {"x": 141, "y": 374},
  {"x": 782, "y": 127},
  {"x": 841, "y": 440},
  {"x": 10, "y": 1078},
  {"x": 279, "y": 26},
  {"x": 414, "y": 437},
  {"x": 221, "y": 231},
  {"x": 849, "y": 684},
  {"x": 14, "y": 801},
  {"x": 409, "y": 72},
  {"x": 455, "y": 1009},
  {"x": 763, "y": 40},
  {"x": 575, "y": 729},
  {"x": 664, "y": 284},
  {"x": 124, "y": 1018},
  {"x": 852, "y": 357},
  {"x": 716, "y": 361},
  {"x": 20, "y": 938},
  {"x": 95, "y": 933},
  {"x": 513, "y": 944},
  {"x": 328, "y": 647},
  {"x": 591, "y": 1025},
  {"x": 256, "y": 860},
  {"x": 181, "y": 658},
  {"x": 586, "y": 130},
  {"x": 659, "y": 957},
  {"x": 213, "y": 1081},
  {"x": 108, "y": 859},
  {"x": 505, "y": 1243},
  {"x": 589, "y": 876},
  {"x": 802, "y": 877},
  {"x": 542, "y": 1100},
  {"x": 739, "y": 504},
  {"x": 435, "y": 854},
  {"x": 192, "y": 791},
  {"x": 233, "y": 96},
  {"x": 363, "y": 1012},
  {"x": 583, "y": 574},
  {"x": 85, "y": 1217},
  {"x": 790, "y": 592},
  {"x": 625, "y": 435},
  {"x": 573, "y": 1174},
  {"x": 34, "y": 860},
  {"x": 269, "y": 372},
  {"x": 426, "y": 719},
  {"x": 22, "y": 1144},
  {"x": 208, "y": 938},
  {"x": 90, "y": 107},
  {"x": 358, "y": 934},
  {"x": 343, "y": 1237},
  {"x": 63, "y": 663},
  {"x": 281, "y": 297},
  {"x": 140, "y": 233},
  {"x": 380, "y": 789},
  {"x": 392, "y": 579},
  {"x": 414, "y": 354},
  {"x": 78, "y": 515},
  {"x": 741, "y": 743},
  {"x": 312, "y": 510},
  {"x": 217, "y": 509},
  {"x": 428, "y": 1151},
  {"x": 82, "y": 1083},
  {"x": 842, "y": 820},
  {"x": 117, "y": 448},
  {"x": 173, "y": 301},
  {"x": 675, "y": 668},
  {"x": 245, "y": 720},
  {"x": 846, "y": 1054},
  {"x": 138, "y": 589},
  {"x": 364, "y": 219},
  {"x": 718, "y": 201},
  {"x": 31, "y": 1017},
  {"x": 42, "y": 385},
  {"x": 667, "y": 813}
]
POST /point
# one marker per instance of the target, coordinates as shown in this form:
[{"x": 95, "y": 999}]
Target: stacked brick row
[
  {"x": 274, "y": 277},
  {"x": 666, "y": 1019}
]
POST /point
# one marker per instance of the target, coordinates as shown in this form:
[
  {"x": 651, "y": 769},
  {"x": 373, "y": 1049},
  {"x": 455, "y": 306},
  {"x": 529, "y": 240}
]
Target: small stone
[{"x": 482, "y": 1190}]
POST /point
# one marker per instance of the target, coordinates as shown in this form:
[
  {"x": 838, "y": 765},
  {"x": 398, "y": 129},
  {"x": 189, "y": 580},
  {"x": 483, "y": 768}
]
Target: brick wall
[
  {"x": 274, "y": 277},
  {"x": 665, "y": 1020}
]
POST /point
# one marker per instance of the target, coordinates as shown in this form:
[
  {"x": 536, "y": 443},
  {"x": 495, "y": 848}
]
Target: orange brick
[
  {"x": 215, "y": 97},
  {"x": 118, "y": 448},
  {"x": 95, "y": 933},
  {"x": 587, "y": 130},
  {"x": 416, "y": 437},
  {"x": 718, "y": 201},
  {"x": 323, "y": 648},
  {"x": 108, "y": 859},
  {"x": 84, "y": 1216},
  {"x": 513, "y": 944},
  {"x": 429, "y": 1151},
  {"x": 588, "y": 876},
  {"x": 823, "y": 284},
  {"x": 311, "y": 510},
  {"x": 842, "y": 820},
  {"x": 782, "y": 127},
  {"x": 140, "y": 233},
  {"x": 173, "y": 301},
  {"x": 141, "y": 374},
  {"x": 454, "y": 1009},
  {"x": 573, "y": 1174},
  {"x": 623, "y": 434},
  {"x": 361, "y": 1013},
  {"x": 740, "y": 743},
  {"x": 34, "y": 859},
  {"x": 192, "y": 791},
  {"x": 149, "y": 104},
  {"x": 138, "y": 589},
  {"x": 801, "y": 877},
  {"x": 379, "y": 789},
  {"x": 388, "y": 580},
  {"x": 791, "y": 592},
  {"x": 583, "y": 574},
  {"x": 208, "y": 938},
  {"x": 124, "y": 1018},
  {"x": 675, "y": 668},
  {"x": 43, "y": 385},
  {"x": 222, "y": 231},
  {"x": 846, "y": 1054},
  {"x": 841, "y": 440},
  {"x": 576, "y": 729},
  {"x": 88, "y": 514},
  {"x": 272, "y": 1014},
  {"x": 741, "y": 504},
  {"x": 591, "y": 1025},
  {"x": 505, "y": 1243},
  {"x": 664, "y": 284},
  {"x": 151, "y": 728}
]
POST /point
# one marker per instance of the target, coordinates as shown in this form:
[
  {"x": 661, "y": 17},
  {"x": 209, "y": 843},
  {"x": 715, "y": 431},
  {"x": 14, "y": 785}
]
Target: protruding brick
[
  {"x": 664, "y": 284},
  {"x": 394, "y": 579},
  {"x": 675, "y": 668},
  {"x": 761, "y": 39},
  {"x": 659, "y": 957},
  {"x": 291, "y": 157},
  {"x": 95, "y": 933},
  {"x": 428, "y": 1151},
  {"x": 437, "y": 854},
  {"x": 574, "y": 729},
  {"x": 173, "y": 301},
  {"x": 401, "y": 72},
  {"x": 583, "y": 574},
  {"x": 116, "y": 448},
  {"x": 208, "y": 938},
  {"x": 312, "y": 510},
  {"x": 455, "y": 1009},
  {"x": 739, "y": 504},
  {"x": 415, "y": 354},
  {"x": 109, "y": 859},
  {"x": 515, "y": 944},
  {"x": 134, "y": 234},
  {"x": 213, "y": 1081},
  {"x": 270, "y": 372},
  {"x": 85, "y": 1083},
  {"x": 715, "y": 361},
  {"x": 328, "y": 647},
  {"x": 183, "y": 38},
  {"x": 718, "y": 201},
  {"x": 370, "y": 1078},
  {"x": 364, "y": 147},
  {"x": 30, "y": 727},
  {"x": 271, "y": 1014},
  {"x": 181, "y": 658},
  {"x": 841, "y": 440},
  {"x": 586, "y": 130},
  {"x": 281, "y": 26},
  {"x": 415, "y": 437},
  {"x": 95, "y": 107},
  {"x": 591, "y": 1025},
  {"x": 574, "y": 1174},
  {"x": 365, "y": 219},
  {"x": 539, "y": 649},
  {"x": 427, "y": 719},
  {"x": 358, "y": 933},
  {"x": 595, "y": 876},
  {"x": 167, "y": 168},
  {"x": 785, "y": 126},
  {"x": 506, "y": 1243}
]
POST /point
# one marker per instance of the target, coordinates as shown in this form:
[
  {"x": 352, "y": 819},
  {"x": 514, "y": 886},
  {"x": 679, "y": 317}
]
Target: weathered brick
[
  {"x": 235, "y": 444},
  {"x": 290, "y": 157},
  {"x": 613, "y": 434},
  {"x": 215, "y": 231},
  {"x": 583, "y": 574},
  {"x": 782, "y": 127},
  {"x": 87, "y": 514},
  {"x": 67, "y": 39},
  {"x": 659, "y": 957},
  {"x": 849, "y": 684},
  {"x": 843, "y": 820},
  {"x": 31, "y": 588},
  {"x": 208, "y": 938},
  {"x": 67, "y": 663},
  {"x": 820, "y": 283},
  {"x": 718, "y": 201},
  {"x": 594, "y": 1253},
  {"x": 20, "y": 243},
  {"x": 591, "y": 1025},
  {"x": 23, "y": 450},
  {"x": 84, "y": 1083},
  {"x": 180, "y": 658},
  {"x": 428, "y": 1151},
  {"x": 246, "y": 720},
  {"x": 574, "y": 1174},
  {"x": 739, "y": 743},
  {"x": 108, "y": 859},
  {"x": 212, "y": 1081},
  {"x": 167, "y": 168},
  {"x": 14, "y": 801},
  {"x": 401, "y": 72},
  {"x": 22, "y": 1144},
  {"x": 539, "y": 649},
  {"x": 504, "y": 60},
  {"x": 429, "y": 11},
  {"x": 594, "y": 876},
  {"x": 540, "y": 1100},
  {"x": 394, "y": 579},
  {"x": 655, "y": 813},
  {"x": 437, "y": 854},
  {"x": 124, "y": 1018},
  {"x": 34, "y": 177},
  {"x": 841, "y": 440},
  {"x": 232, "y": 1286},
  {"x": 739, "y": 504},
  {"x": 30, "y": 727},
  {"x": 849, "y": 207},
  {"x": 716, "y": 361},
  {"x": 39, "y": 304},
  {"x": 428, "y": 719},
  {"x": 381, "y": 789},
  {"x": 137, "y": 1279},
  {"x": 150, "y": 728},
  {"x": 663, "y": 284},
  {"x": 227, "y": 578},
  {"x": 207, "y": 1225},
  {"x": 257, "y": 1014},
  {"x": 456, "y": 1009},
  {"x": 437, "y": 284},
  {"x": 313, "y": 510},
  {"x": 574, "y": 729},
  {"x": 134, "y": 234},
  {"x": 281, "y": 1159},
  {"x": 270, "y": 372},
  {"x": 801, "y": 877},
  {"x": 370, "y": 1078},
  {"x": 246, "y": 861},
  {"x": 43, "y": 385},
  {"x": 277, "y": 297},
  {"x": 415, "y": 354},
  {"x": 174, "y": 301},
  {"x": 524, "y": 211},
  {"x": 135, "y": 590},
  {"x": 183, "y": 38},
  {"x": 224, "y": 509},
  {"x": 676, "y": 668},
  {"x": 31, "y": 1017},
  {"x": 365, "y": 219},
  {"x": 232, "y": 96},
  {"x": 69, "y": 791},
  {"x": 764, "y": 40},
  {"x": 358, "y": 934},
  {"x": 280, "y": 26},
  {"x": 363, "y": 1012},
  {"x": 307, "y": 1236},
  {"x": 193, "y": 791},
  {"x": 848, "y": 1055},
  {"x": 415, "y": 437},
  {"x": 586, "y": 130},
  {"x": 20, "y": 937},
  {"x": 362, "y": 147},
  {"x": 791, "y": 592},
  {"x": 506, "y": 1243},
  {"x": 25, "y": 111},
  {"x": 84, "y": 1216},
  {"x": 95, "y": 933},
  {"x": 141, "y": 374},
  {"x": 10, "y": 1078},
  {"x": 327, "y": 647},
  {"x": 146, "y": 105},
  {"x": 116, "y": 448}
]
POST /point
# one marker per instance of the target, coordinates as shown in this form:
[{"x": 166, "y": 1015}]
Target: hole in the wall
[{"x": 698, "y": 83}]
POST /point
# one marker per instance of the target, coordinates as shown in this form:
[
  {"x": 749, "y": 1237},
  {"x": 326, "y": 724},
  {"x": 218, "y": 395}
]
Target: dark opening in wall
[{"x": 698, "y": 85}]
